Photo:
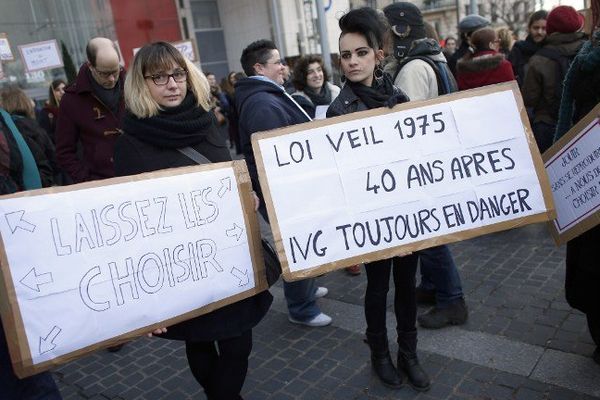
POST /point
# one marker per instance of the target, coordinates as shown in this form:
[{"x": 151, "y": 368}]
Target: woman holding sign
[
  {"x": 367, "y": 86},
  {"x": 168, "y": 103}
]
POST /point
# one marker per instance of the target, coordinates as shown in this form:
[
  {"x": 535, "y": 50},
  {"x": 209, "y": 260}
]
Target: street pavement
[{"x": 522, "y": 341}]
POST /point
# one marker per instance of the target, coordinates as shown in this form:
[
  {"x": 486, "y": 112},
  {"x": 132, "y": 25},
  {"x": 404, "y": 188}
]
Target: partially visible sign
[
  {"x": 41, "y": 55},
  {"x": 89, "y": 265},
  {"x": 573, "y": 166},
  {"x": 186, "y": 47},
  {"x": 5, "y": 52},
  {"x": 1, "y": 71}
]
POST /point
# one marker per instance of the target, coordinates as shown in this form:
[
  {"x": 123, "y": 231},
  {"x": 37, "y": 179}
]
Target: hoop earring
[
  {"x": 378, "y": 73},
  {"x": 343, "y": 79}
]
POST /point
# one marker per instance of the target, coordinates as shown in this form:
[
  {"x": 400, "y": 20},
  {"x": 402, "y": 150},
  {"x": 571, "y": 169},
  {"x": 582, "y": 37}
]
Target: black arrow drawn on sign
[
  {"x": 235, "y": 231},
  {"x": 47, "y": 343},
  {"x": 242, "y": 276},
  {"x": 15, "y": 221},
  {"x": 33, "y": 280},
  {"x": 225, "y": 186}
]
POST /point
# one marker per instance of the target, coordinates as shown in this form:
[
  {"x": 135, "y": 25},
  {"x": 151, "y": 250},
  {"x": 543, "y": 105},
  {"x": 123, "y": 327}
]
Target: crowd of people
[{"x": 164, "y": 112}]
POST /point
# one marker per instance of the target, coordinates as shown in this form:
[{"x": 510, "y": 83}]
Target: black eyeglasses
[
  {"x": 108, "y": 74},
  {"x": 162, "y": 79}
]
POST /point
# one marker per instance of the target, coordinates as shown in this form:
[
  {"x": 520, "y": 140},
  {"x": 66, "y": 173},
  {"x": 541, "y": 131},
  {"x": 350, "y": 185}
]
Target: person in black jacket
[
  {"x": 523, "y": 49},
  {"x": 367, "y": 87},
  {"x": 20, "y": 107},
  {"x": 168, "y": 103}
]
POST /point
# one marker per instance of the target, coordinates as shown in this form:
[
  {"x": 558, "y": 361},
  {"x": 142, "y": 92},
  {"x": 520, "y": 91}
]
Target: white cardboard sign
[
  {"x": 93, "y": 264},
  {"x": 185, "y": 47},
  {"x": 5, "y": 51},
  {"x": 573, "y": 167},
  {"x": 354, "y": 188},
  {"x": 41, "y": 55}
]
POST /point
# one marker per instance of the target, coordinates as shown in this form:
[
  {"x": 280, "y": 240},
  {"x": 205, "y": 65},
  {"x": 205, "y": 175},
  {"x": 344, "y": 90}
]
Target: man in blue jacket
[{"x": 263, "y": 104}]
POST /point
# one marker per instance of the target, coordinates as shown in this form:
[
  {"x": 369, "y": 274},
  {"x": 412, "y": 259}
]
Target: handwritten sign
[
  {"x": 5, "y": 51},
  {"x": 1, "y": 71},
  {"x": 85, "y": 264},
  {"x": 368, "y": 185},
  {"x": 573, "y": 166},
  {"x": 41, "y": 55},
  {"x": 186, "y": 47}
]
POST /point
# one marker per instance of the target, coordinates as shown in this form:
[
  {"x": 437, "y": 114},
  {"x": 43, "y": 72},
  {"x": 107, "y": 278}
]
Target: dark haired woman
[
  {"x": 486, "y": 65},
  {"x": 367, "y": 87},
  {"x": 522, "y": 50},
  {"x": 168, "y": 103},
  {"x": 580, "y": 95},
  {"x": 49, "y": 114},
  {"x": 313, "y": 89}
]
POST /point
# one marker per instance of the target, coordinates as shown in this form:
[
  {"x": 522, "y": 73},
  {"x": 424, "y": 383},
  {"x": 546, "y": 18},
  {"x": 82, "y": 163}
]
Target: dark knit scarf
[
  {"x": 323, "y": 98},
  {"x": 381, "y": 93},
  {"x": 111, "y": 98},
  {"x": 528, "y": 47},
  {"x": 175, "y": 127},
  {"x": 587, "y": 61}
]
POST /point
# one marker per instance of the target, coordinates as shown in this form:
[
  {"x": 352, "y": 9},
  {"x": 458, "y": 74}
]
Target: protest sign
[
  {"x": 41, "y": 55},
  {"x": 5, "y": 51},
  {"x": 186, "y": 47},
  {"x": 573, "y": 166},
  {"x": 1, "y": 71},
  {"x": 90, "y": 265},
  {"x": 369, "y": 185}
]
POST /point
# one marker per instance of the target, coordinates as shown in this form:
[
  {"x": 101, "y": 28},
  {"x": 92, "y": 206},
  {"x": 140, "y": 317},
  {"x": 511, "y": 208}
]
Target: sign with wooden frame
[
  {"x": 92, "y": 265},
  {"x": 374, "y": 184}
]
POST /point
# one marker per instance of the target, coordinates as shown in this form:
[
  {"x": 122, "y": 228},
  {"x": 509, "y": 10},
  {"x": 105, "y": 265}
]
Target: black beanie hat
[{"x": 407, "y": 25}]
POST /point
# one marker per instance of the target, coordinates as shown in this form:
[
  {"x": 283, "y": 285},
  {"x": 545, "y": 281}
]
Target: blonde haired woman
[{"x": 167, "y": 100}]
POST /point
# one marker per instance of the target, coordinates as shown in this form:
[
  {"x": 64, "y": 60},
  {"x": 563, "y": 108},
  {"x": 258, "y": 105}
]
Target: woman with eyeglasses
[
  {"x": 168, "y": 103},
  {"x": 367, "y": 86},
  {"x": 485, "y": 65}
]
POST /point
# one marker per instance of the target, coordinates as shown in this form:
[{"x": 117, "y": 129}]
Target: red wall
[{"x": 138, "y": 22}]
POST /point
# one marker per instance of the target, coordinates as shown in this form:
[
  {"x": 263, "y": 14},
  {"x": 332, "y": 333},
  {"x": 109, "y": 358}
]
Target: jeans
[
  {"x": 300, "y": 298},
  {"x": 37, "y": 387},
  {"x": 221, "y": 373},
  {"x": 378, "y": 285},
  {"x": 439, "y": 273}
]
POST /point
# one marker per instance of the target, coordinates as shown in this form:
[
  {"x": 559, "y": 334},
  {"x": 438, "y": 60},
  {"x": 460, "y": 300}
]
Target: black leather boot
[
  {"x": 409, "y": 363},
  {"x": 382, "y": 361}
]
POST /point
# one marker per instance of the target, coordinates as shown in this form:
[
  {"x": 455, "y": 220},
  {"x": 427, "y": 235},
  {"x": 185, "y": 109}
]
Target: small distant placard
[
  {"x": 373, "y": 184},
  {"x": 5, "y": 51},
  {"x": 573, "y": 166},
  {"x": 185, "y": 47},
  {"x": 90, "y": 265},
  {"x": 41, "y": 55}
]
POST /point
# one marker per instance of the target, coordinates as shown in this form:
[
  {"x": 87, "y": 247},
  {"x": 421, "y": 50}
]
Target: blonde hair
[
  {"x": 153, "y": 58},
  {"x": 505, "y": 36},
  {"x": 15, "y": 101}
]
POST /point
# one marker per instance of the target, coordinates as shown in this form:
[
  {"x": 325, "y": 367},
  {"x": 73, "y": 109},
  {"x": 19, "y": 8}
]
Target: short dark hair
[
  {"x": 536, "y": 16},
  {"x": 301, "y": 70},
  {"x": 364, "y": 21},
  {"x": 256, "y": 52}
]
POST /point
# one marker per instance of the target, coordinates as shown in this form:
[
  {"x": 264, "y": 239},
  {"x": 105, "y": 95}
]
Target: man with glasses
[
  {"x": 263, "y": 104},
  {"x": 90, "y": 115}
]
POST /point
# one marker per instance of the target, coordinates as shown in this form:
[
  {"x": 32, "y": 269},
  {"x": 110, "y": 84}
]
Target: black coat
[
  {"x": 133, "y": 156},
  {"x": 519, "y": 57},
  {"x": 41, "y": 147}
]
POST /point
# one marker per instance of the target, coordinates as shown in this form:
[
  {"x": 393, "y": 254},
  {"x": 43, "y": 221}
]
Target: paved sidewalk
[{"x": 522, "y": 341}]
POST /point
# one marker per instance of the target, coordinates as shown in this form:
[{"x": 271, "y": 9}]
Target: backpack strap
[
  {"x": 442, "y": 84},
  {"x": 31, "y": 174},
  {"x": 194, "y": 155}
]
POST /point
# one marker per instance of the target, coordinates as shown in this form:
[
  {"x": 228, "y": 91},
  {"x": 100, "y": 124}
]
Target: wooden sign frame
[
  {"x": 394, "y": 251},
  {"x": 592, "y": 219},
  {"x": 11, "y": 315}
]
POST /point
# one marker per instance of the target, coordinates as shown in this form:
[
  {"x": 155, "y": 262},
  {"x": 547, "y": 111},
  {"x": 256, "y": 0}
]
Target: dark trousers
[
  {"x": 378, "y": 285},
  {"x": 544, "y": 135},
  {"x": 221, "y": 366},
  {"x": 37, "y": 387}
]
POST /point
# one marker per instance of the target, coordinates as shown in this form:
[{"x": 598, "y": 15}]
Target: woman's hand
[
  {"x": 256, "y": 201},
  {"x": 157, "y": 332}
]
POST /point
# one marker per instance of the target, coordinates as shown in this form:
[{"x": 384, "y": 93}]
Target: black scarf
[
  {"x": 110, "y": 97},
  {"x": 323, "y": 98},
  {"x": 175, "y": 127},
  {"x": 382, "y": 93}
]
